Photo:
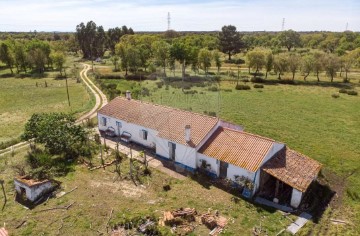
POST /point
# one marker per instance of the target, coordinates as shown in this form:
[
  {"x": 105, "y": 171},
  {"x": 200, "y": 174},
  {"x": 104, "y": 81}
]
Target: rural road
[{"x": 100, "y": 101}]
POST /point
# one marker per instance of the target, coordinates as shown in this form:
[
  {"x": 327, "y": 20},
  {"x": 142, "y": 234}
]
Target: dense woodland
[{"x": 286, "y": 51}]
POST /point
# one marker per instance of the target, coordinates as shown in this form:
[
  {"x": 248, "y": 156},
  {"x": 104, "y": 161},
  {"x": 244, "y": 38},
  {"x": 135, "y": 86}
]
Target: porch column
[{"x": 296, "y": 198}]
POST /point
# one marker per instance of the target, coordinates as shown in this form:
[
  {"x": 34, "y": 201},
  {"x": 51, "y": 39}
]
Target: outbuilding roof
[
  {"x": 169, "y": 122},
  {"x": 293, "y": 168},
  {"x": 29, "y": 181},
  {"x": 238, "y": 148}
]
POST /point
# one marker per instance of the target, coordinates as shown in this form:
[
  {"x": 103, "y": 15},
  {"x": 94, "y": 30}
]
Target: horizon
[{"x": 186, "y": 16}]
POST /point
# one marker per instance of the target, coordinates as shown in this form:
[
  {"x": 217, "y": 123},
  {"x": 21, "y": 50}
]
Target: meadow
[
  {"x": 21, "y": 97},
  {"x": 304, "y": 115}
]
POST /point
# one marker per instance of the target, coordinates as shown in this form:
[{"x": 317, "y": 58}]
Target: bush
[
  {"x": 343, "y": 90},
  {"x": 160, "y": 84},
  {"x": 227, "y": 90},
  {"x": 258, "y": 86},
  {"x": 246, "y": 80},
  {"x": 191, "y": 92},
  {"x": 286, "y": 81},
  {"x": 352, "y": 92},
  {"x": 257, "y": 80},
  {"x": 210, "y": 113},
  {"x": 235, "y": 61},
  {"x": 335, "y": 95},
  {"x": 242, "y": 87},
  {"x": 213, "y": 89}
]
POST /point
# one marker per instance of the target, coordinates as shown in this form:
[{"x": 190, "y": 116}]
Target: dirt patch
[{"x": 127, "y": 188}]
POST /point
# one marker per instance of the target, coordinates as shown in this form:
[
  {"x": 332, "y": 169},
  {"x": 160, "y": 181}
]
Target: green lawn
[
  {"x": 304, "y": 116},
  {"x": 20, "y": 98}
]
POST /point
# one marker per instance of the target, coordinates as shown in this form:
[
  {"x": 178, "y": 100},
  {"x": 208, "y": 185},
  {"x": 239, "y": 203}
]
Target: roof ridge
[
  {"x": 255, "y": 135},
  {"x": 169, "y": 107}
]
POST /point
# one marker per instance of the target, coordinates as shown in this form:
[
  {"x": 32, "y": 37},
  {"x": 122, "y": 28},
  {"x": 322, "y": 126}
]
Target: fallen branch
[
  {"x": 21, "y": 224},
  {"x": 68, "y": 192},
  {"x": 103, "y": 166},
  {"x": 107, "y": 224},
  {"x": 339, "y": 221},
  {"x": 58, "y": 208}
]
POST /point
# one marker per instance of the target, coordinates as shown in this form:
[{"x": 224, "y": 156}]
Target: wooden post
[
  {"x": 131, "y": 163},
  {"x": 67, "y": 91},
  {"x": 145, "y": 161},
  {"x": 101, "y": 156},
  {"x": 277, "y": 188}
]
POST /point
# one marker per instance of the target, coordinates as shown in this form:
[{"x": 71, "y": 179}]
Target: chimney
[
  {"x": 187, "y": 133},
  {"x": 128, "y": 95}
]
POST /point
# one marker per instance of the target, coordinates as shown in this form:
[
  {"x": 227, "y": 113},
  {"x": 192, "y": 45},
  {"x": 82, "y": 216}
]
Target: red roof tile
[
  {"x": 169, "y": 122},
  {"x": 237, "y": 148},
  {"x": 293, "y": 168}
]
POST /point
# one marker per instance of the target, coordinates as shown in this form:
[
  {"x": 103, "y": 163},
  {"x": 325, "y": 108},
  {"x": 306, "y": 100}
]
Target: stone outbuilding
[{"x": 30, "y": 189}]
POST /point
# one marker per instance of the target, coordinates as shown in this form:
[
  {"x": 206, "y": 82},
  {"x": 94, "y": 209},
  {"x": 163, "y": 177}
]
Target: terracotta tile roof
[
  {"x": 237, "y": 148},
  {"x": 293, "y": 168},
  {"x": 29, "y": 181},
  {"x": 169, "y": 122}
]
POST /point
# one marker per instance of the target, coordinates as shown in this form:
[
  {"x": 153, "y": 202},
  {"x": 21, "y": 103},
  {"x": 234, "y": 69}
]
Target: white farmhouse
[
  {"x": 30, "y": 189},
  {"x": 191, "y": 140}
]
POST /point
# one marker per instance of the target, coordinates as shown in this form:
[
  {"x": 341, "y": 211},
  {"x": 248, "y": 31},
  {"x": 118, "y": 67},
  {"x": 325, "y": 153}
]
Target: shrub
[
  {"x": 258, "y": 86},
  {"x": 210, "y": 113},
  {"x": 245, "y": 80},
  {"x": 286, "y": 81},
  {"x": 227, "y": 90},
  {"x": 213, "y": 89},
  {"x": 160, "y": 84},
  {"x": 242, "y": 87},
  {"x": 191, "y": 92},
  {"x": 343, "y": 90},
  {"x": 352, "y": 92},
  {"x": 335, "y": 95},
  {"x": 235, "y": 61},
  {"x": 257, "y": 80}
]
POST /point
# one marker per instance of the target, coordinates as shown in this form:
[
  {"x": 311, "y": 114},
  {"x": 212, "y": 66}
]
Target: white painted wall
[
  {"x": 214, "y": 164},
  {"x": 131, "y": 128},
  {"x": 296, "y": 198},
  {"x": 273, "y": 150},
  {"x": 235, "y": 170},
  {"x": 183, "y": 154},
  {"x": 32, "y": 193}
]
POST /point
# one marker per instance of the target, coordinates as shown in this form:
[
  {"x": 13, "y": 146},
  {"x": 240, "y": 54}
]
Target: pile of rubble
[{"x": 185, "y": 220}]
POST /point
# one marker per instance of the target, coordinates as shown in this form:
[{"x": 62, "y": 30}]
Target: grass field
[
  {"x": 20, "y": 98},
  {"x": 97, "y": 194},
  {"x": 304, "y": 116}
]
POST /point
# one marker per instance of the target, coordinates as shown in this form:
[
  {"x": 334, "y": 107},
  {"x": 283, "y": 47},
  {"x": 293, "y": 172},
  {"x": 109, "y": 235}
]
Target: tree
[
  {"x": 293, "y": 63},
  {"x": 6, "y": 55},
  {"x": 217, "y": 59},
  {"x": 307, "y": 64},
  {"x": 256, "y": 59},
  {"x": 331, "y": 65},
  {"x": 182, "y": 53},
  {"x": 289, "y": 39},
  {"x": 91, "y": 39},
  {"x": 113, "y": 36},
  {"x": 204, "y": 59},
  {"x": 269, "y": 62},
  {"x": 115, "y": 60},
  {"x": 230, "y": 41},
  {"x": 59, "y": 60},
  {"x": 161, "y": 51},
  {"x": 20, "y": 56},
  {"x": 57, "y": 132},
  {"x": 122, "y": 50},
  {"x": 318, "y": 64},
  {"x": 280, "y": 64},
  {"x": 348, "y": 61},
  {"x": 38, "y": 54}
]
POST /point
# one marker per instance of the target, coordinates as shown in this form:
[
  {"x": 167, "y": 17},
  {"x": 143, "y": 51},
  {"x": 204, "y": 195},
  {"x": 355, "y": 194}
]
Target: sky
[{"x": 186, "y": 15}]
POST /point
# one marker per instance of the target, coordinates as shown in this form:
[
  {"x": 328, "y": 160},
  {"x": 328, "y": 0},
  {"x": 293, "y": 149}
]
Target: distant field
[
  {"x": 20, "y": 98},
  {"x": 305, "y": 116}
]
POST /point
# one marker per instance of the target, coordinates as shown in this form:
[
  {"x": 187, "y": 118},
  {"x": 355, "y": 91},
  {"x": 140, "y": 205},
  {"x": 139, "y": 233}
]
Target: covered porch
[{"x": 285, "y": 178}]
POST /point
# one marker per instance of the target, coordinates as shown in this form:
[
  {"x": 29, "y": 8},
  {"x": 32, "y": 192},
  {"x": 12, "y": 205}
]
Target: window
[
  {"x": 172, "y": 147},
  {"x": 143, "y": 134},
  {"x": 103, "y": 121}
]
